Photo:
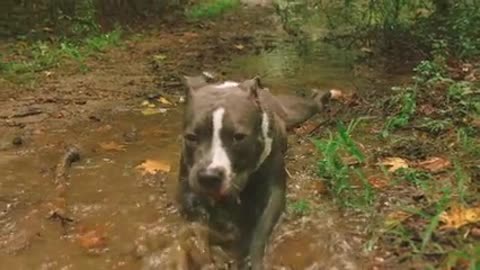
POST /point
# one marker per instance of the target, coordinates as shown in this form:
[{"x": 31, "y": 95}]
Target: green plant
[
  {"x": 210, "y": 9},
  {"x": 436, "y": 126},
  {"x": 462, "y": 179},
  {"x": 340, "y": 177},
  {"x": 428, "y": 71},
  {"x": 99, "y": 43},
  {"x": 470, "y": 255},
  {"x": 468, "y": 142},
  {"x": 418, "y": 178},
  {"x": 440, "y": 206},
  {"x": 301, "y": 207},
  {"x": 406, "y": 105},
  {"x": 41, "y": 55}
]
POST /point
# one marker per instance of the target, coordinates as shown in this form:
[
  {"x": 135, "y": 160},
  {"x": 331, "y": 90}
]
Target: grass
[
  {"x": 343, "y": 179},
  {"x": 30, "y": 59},
  {"x": 210, "y": 9},
  {"x": 424, "y": 195},
  {"x": 406, "y": 102},
  {"x": 300, "y": 207}
]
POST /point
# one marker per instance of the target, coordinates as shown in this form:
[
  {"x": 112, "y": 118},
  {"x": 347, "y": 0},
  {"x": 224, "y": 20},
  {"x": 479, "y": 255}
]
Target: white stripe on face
[
  {"x": 267, "y": 147},
  {"x": 227, "y": 84},
  {"x": 219, "y": 155}
]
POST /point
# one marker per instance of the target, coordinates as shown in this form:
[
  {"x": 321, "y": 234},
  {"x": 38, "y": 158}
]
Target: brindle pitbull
[{"x": 232, "y": 163}]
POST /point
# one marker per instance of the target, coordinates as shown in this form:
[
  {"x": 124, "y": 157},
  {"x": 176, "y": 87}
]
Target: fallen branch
[
  {"x": 57, "y": 205},
  {"x": 71, "y": 155}
]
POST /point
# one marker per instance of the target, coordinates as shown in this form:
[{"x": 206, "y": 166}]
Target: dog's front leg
[{"x": 273, "y": 209}]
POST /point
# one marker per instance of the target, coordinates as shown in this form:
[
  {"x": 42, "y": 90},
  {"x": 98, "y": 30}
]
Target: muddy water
[
  {"x": 122, "y": 219},
  {"x": 295, "y": 67}
]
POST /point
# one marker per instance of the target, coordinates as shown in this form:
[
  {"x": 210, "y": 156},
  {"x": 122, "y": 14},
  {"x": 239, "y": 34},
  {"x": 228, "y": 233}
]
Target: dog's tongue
[{"x": 217, "y": 195}]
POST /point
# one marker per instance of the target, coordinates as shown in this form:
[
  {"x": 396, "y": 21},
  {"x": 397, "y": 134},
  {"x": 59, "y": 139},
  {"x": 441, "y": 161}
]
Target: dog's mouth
[{"x": 229, "y": 189}]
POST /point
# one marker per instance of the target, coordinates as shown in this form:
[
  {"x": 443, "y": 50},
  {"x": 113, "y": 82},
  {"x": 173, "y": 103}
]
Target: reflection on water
[{"x": 298, "y": 66}]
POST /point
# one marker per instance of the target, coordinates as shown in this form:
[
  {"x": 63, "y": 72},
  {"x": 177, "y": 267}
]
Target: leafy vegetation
[
  {"x": 300, "y": 207},
  {"x": 209, "y": 9},
  {"x": 342, "y": 178},
  {"x": 398, "y": 27},
  {"x": 40, "y": 56},
  {"x": 433, "y": 200}
]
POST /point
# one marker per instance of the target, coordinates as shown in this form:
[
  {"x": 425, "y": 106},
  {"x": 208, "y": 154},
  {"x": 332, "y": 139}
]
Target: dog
[{"x": 232, "y": 164}]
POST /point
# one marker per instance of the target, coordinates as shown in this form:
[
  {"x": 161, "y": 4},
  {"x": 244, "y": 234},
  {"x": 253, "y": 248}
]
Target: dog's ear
[
  {"x": 252, "y": 86},
  {"x": 195, "y": 82}
]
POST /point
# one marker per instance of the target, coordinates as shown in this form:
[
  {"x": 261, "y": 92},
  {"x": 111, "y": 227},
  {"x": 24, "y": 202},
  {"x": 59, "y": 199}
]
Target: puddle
[
  {"x": 291, "y": 67},
  {"x": 107, "y": 193}
]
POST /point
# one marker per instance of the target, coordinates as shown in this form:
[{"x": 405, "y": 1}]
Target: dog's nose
[{"x": 211, "y": 178}]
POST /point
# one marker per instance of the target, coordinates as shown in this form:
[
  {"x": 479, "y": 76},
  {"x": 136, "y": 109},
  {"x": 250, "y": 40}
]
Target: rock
[{"x": 17, "y": 141}]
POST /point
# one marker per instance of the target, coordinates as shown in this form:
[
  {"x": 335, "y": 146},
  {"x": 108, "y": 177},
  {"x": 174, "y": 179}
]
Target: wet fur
[{"x": 257, "y": 207}]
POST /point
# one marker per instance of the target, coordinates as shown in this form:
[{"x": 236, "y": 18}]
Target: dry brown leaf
[
  {"x": 239, "y": 46},
  {"x": 427, "y": 109},
  {"x": 435, "y": 164},
  {"x": 377, "y": 182},
  {"x": 90, "y": 239},
  {"x": 112, "y": 146},
  {"x": 164, "y": 101},
  {"x": 395, "y": 218},
  {"x": 459, "y": 216},
  {"x": 306, "y": 128},
  {"x": 152, "y": 111},
  {"x": 395, "y": 163},
  {"x": 153, "y": 166},
  {"x": 336, "y": 94},
  {"x": 190, "y": 34}
]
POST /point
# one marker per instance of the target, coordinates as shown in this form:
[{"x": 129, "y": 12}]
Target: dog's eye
[
  {"x": 238, "y": 137},
  {"x": 192, "y": 138}
]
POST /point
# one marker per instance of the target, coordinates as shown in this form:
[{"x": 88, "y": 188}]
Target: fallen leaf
[
  {"x": 145, "y": 103},
  {"x": 395, "y": 163},
  {"x": 190, "y": 34},
  {"x": 112, "y": 146},
  {"x": 377, "y": 182},
  {"x": 475, "y": 232},
  {"x": 427, "y": 109},
  {"x": 159, "y": 57},
  {"x": 239, "y": 46},
  {"x": 152, "y": 111},
  {"x": 459, "y": 216},
  {"x": 48, "y": 73},
  {"x": 91, "y": 239},
  {"x": 366, "y": 50},
  {"x": 153, "y": 166},
  {"x": 435, "y": 164},
  {"x": 336, "y": 94},
  {"x": 395, "y": 218},
  {"x": 306, "y": 128},
  {"x": 164, "y": 101}
]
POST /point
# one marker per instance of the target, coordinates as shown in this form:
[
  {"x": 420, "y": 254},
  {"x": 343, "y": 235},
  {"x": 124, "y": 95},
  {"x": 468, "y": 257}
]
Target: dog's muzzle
[{"x": 211, "y": 179}]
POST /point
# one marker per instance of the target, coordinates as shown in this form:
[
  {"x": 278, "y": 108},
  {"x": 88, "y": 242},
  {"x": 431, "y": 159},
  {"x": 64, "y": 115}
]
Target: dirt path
[{"x": 149, "y": 65}]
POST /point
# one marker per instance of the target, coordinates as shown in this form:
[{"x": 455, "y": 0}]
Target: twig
[
  {"x": 71, "y": 155},
  {"x": 318, "y": 126},
  {"x": 58, "y": 212}
]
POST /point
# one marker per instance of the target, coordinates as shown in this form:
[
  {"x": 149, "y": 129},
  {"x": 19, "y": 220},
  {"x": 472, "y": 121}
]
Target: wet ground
[{"x": 126, "y": 111}]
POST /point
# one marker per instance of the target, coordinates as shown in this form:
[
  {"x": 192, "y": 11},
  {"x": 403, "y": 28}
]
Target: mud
[{"x": 120, "y": 217}]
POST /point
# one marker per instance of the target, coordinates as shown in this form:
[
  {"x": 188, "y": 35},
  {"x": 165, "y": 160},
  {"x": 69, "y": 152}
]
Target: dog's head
[{"x": 226, "y": 135}]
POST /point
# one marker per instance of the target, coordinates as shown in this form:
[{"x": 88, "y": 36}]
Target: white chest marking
[
  {"x": 227, "y": 84},
  {"x": 267, "y": 148},
  {"x": 219, "y": 155}
]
